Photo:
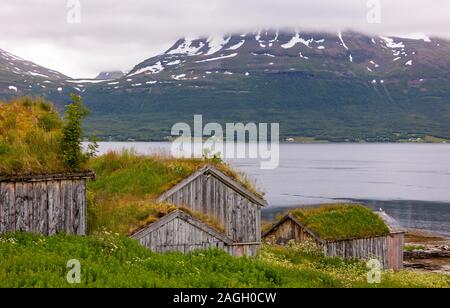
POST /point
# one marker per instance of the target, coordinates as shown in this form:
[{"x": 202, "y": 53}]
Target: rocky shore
[{"x": 427, "y": 252}]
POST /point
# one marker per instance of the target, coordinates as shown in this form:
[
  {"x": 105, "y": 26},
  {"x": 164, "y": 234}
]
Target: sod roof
[
  {"x": 341, "y": 221},
  {"x": 30, "y": 138},
  {"x": 124, "y": 196}
]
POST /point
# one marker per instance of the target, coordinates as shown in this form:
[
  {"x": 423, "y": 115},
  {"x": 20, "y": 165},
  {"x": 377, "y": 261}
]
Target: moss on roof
[
  {"x": 122, "y": 198},
  {"x": 30, "y": 137},
  {"x": 341, "y": 221}
]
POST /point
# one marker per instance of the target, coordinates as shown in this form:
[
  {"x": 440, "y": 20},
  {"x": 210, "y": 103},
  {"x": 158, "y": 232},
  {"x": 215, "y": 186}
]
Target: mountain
[
  {"x": 110, "y": 75},
  {"x": 19, "y": 77},
  {"x": 341, "y": 86}
]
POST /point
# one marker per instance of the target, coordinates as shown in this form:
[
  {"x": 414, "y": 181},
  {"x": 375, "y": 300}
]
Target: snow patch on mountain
[
  {"x": 296, "y": 40},
  {"x": 416, "y": 36},
  {"x": 303, "y": 57},
  {"x": 179, "y": 77},
  {"x": 176, "y": 62},
  {"x": 268, "y": 42},
  {"x": 217, "y": 58},
  {"x": 153, "y": 69},
  {"x": 390, "y": 43},
  {"x": 81, "y": 81},
  {"x": 187, "y": 48},
  {"x": 216, "y": 44},
  {"x": 237, "y": 46},
  {"x": 37, "y": 74},
  {"x": 342, "y": 41}
]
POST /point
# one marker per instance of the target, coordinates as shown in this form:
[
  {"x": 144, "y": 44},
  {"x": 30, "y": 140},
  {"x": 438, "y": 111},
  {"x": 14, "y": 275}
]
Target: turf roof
[{"x": 341, "y": 221}]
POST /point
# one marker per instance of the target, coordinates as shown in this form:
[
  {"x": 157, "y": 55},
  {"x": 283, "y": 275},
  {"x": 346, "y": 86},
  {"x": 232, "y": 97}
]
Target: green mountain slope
[{"x": 347, "y": 86}]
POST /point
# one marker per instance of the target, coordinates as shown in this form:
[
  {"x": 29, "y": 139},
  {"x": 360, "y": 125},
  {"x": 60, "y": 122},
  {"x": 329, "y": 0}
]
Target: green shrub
[{"x": 73, "y": 133}]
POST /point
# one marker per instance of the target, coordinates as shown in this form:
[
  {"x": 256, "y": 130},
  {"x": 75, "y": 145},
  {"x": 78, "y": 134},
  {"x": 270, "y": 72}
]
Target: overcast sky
[{"x": 118, "y": 34}]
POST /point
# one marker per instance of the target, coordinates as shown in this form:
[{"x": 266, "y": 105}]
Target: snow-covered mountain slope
[
  {"x": 333, "y": 85},
  {"x": 269, "y": 51},
  {"x": 21, "y": 77}
]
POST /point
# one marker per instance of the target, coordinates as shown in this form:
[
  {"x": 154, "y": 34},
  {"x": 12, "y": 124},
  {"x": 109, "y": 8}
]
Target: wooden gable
[
  {"x": 181, "y": 232},
  {"x": 212, "y": 193},
  {"x": 289, "y": 228}
]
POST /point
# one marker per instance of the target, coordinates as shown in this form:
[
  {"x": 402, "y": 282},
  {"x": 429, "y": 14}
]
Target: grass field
[{"x": 109, "y": 260}]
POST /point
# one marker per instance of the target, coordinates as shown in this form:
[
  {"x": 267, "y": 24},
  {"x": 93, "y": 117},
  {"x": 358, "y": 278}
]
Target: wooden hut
[
  {"x": 46, "y": 204},
  {"x": 223, "y": 199},
  {"x": 387, "y": 248}
]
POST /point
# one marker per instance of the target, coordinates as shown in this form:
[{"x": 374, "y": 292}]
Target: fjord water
[{"x": 411, "y": 182}]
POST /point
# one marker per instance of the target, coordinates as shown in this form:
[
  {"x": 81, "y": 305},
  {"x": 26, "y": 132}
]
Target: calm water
[{"x": 410, "y": 181}]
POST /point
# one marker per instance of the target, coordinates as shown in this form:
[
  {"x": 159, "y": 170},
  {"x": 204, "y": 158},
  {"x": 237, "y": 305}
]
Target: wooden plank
[
  {"x": 47, "y": 177},
  {"x": 7, "y": 196},
  {"x": 54, "y": 207},
  {"x": 77, "y": 207},
  {"x": 39, "y": 208},
  {"x": 21, "y": 204},
  {"x": 82, "y": 208},
  {"x": 67, "y": 197}
]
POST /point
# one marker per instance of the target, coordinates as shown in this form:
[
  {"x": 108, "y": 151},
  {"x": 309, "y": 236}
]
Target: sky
[{"x": 81, "y": 38}]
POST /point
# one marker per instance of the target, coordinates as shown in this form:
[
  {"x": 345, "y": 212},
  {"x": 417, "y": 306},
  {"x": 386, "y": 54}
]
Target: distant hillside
[
  {"x": 110, "y": 75},
  {"x": 342, "y": 86}
]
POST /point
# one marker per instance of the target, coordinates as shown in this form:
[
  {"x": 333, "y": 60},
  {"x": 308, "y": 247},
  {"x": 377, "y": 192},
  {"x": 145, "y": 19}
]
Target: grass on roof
[
  {"x": 121, "y": 199},
  {"x": 30, "y": 137},
  {"x": 342, "y": 221}
]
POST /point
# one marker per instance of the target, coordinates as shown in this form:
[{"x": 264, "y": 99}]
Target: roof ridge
[{"x": 222, "y": 177}]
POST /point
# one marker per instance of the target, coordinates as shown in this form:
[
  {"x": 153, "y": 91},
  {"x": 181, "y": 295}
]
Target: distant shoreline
[{"x": 284, "y": 142}]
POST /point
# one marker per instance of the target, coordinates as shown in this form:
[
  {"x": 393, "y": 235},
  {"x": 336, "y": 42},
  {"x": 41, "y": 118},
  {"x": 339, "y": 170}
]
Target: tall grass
[
  {"x": 121, "y": 199},
  {"x": 109, "y": 260},
  {"x": 30, "y": 135}
]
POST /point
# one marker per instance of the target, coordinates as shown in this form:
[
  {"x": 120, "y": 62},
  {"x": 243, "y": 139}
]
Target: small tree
[{"x": 73, "y": 133}]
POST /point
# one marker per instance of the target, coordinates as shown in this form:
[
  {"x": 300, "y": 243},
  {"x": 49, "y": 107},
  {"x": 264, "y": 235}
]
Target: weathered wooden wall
[
  {"x": 395, "y": 243},
  {"x": 246, "y": 249},
  {"x": 240, "y": 217},
  {"x": 286, "y": 232},
  {"x": 43, "y": 205},
  {"x": 179, "y": 233},
  {"x": 387, "y": 249},
  {"x": 362, "y": 249}
]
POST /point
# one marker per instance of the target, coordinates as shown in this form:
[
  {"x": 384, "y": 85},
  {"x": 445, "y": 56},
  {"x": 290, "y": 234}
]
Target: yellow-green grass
[
  {"x": 108, "y": 260},
  {"x": 122, "y": 198},
  {"x": 341, "y": 221},
  {"x": 30, "y": 137}
]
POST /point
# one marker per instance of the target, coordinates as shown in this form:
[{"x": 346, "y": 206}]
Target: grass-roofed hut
[
  {"x": 170, "y": 204},
  {"x": 344, "y": 230},
  {"x": 38, "y": 192}
]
